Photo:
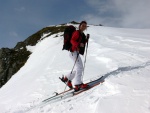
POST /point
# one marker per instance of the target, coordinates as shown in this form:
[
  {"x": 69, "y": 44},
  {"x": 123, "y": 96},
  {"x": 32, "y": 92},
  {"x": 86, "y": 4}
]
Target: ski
[
  {"x": 82, "y": 90},
  {"x": 56, "y": 94},
  {"x": 61, "y": 95},
  {"x": 68, "y": 93}
]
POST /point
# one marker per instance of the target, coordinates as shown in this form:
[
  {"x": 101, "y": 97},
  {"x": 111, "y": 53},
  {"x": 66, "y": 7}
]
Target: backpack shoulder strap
[{"x": 80, "y": 35}]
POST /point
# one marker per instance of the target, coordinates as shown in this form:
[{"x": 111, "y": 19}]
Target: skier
[{"x": 78, "y": 42}]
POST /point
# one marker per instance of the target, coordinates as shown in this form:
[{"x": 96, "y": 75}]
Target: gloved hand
[
  {"x": 88, "y": 36},
  {"x": 81, "y": 45}
]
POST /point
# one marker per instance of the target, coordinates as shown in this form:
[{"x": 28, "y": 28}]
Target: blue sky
[{"x": 21, "y": 18}]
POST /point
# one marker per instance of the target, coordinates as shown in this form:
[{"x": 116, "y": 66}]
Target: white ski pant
[{"x": 76, "y": 75}]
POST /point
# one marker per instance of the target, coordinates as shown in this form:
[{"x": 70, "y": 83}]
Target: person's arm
[{"x": 75, "y": 40}]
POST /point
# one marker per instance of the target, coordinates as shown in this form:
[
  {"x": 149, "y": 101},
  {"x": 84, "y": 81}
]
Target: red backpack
[{"x": 67, "y": 37}]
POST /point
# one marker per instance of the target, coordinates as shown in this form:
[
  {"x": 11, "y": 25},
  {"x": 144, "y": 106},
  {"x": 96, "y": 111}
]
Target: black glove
[{"x": 88, "y": 36}]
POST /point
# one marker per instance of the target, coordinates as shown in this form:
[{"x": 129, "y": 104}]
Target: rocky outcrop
[{"x": 11, "y": 61}]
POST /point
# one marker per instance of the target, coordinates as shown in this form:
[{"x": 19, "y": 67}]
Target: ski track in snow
[{"x": 122, "y": 56}]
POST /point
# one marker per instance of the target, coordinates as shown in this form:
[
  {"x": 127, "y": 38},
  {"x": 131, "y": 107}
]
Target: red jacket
[{"x": 75, "y": 40}]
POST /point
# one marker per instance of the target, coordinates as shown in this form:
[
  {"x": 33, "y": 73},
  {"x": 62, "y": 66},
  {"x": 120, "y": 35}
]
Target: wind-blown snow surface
[{"x": 122, "y": 56}]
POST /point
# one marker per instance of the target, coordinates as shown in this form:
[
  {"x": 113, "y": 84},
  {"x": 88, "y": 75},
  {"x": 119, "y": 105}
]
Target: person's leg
[{"x": 78, "y": 69}]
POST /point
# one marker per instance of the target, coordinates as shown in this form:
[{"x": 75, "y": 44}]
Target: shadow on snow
[{"x": 123, "y": 69}]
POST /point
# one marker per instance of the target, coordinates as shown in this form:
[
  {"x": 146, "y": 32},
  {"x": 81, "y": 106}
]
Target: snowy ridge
[{"x": 120, "y": 55}]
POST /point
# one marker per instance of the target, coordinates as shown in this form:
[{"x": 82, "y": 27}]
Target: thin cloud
[
  {"x": 13, "y": 34},
  {"x": 120, "y": 13},
  {"x": 20, "y": 9}
]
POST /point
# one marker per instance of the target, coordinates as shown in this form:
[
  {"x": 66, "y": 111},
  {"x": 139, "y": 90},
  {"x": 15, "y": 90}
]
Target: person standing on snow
[{"x": 78, "y": 42}]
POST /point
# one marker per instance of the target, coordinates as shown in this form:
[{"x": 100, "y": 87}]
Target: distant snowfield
[{"x": 121, "y": 55}]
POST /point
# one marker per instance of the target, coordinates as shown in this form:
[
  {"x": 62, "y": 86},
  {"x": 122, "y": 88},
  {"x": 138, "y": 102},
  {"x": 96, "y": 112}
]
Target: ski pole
[
  {"x": 85, "y": 54},
  {"x": 71, "y": 72},
  {"x": 75, "y": 62}
]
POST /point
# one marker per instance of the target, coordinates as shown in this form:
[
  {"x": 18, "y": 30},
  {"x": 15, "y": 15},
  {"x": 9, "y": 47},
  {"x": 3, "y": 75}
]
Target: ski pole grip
[{"x": 88, "y": 36}]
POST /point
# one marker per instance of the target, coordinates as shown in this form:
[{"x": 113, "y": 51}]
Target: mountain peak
[{"x": 17, "y": 56}]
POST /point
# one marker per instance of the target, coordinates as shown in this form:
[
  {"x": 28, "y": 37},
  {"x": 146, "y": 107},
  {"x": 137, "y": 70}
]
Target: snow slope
[{"x": 122, "y": 56}]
